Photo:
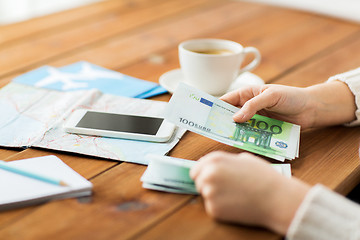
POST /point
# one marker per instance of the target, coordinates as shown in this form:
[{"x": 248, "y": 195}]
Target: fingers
[
  {"x": 240, "y": 96},
  {"x": 232, "y": 98},
  {"x": 251, "y": 99},
  {"x": 213, "y": 166},
  {"x": 265, "y": 99},
  {"x": 206, "y": 168},
  {"x": 210, "y": 168},
  {"x": 196, "y": 169}
]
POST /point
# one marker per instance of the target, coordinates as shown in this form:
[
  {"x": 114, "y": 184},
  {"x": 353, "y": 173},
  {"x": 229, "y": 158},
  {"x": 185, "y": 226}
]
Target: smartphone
[{"x": 105, "y": 124}]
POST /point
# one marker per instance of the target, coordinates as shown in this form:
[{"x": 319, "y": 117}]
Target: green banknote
[
  {"x": 169, "y": 174},
  {"x": 202, "y": 113}
]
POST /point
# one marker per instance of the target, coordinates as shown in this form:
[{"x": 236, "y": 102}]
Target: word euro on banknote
[
  {"x": 204, "y": 114},
  {"x": 169, "y": 174}
]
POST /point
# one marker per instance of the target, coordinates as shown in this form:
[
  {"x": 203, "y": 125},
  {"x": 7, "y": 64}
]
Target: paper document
[
  {"x": 170, "y": 174},
  {"x": 85, "y": 76},
  {"x": 35, "y": 116},
  {"x": 18, "y": 190},
  {"x": 202, "y": 113},
  {"x": 35, "y": 105}
]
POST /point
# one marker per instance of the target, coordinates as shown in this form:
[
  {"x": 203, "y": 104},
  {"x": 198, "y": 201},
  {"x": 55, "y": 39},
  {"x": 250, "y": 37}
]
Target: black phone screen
[{"x": 120, "y": 123}]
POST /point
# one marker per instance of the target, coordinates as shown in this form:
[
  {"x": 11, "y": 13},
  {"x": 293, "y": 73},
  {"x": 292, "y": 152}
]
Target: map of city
[{"x": 35, "y": 116}]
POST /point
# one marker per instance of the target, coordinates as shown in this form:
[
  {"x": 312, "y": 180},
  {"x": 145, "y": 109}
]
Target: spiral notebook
[{"x": 17, "y": 190}]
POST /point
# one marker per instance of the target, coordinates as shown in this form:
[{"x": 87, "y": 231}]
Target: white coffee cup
[{"x": 212, "y": 65}]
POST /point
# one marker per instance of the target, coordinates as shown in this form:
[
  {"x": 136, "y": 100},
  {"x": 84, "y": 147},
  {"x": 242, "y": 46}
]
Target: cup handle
[{"x": 255, "y": 62}]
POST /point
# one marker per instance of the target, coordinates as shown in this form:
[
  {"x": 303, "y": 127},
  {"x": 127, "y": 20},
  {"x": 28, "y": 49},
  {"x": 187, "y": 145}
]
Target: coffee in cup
[
  {"x": 212, "y": 65},
  {"x": 214, "y": 51}
]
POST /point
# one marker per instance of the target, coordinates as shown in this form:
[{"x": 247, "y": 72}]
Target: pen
[{"x": 7, "y": 167}]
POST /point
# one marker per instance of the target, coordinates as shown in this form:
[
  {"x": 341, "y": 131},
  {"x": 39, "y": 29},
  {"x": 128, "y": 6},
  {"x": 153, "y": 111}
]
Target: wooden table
[{"x": 140, "y": 38}]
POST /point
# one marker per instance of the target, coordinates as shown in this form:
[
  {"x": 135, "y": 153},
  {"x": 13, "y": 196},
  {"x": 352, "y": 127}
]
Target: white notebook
[{"x": 17, "y": 190}]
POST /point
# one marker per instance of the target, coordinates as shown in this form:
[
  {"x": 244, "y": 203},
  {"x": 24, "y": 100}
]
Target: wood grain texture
[
  {"x": 341, "y": 57},
  {"x": 140, "y": 38},
  {"x": 6, "y": 153},
  {"x": 274, "y": 40},
  {"x": 118, "y": 209},
  {"x": 53, "y": 22},
  {"x": 40, "y": 48},
  {"x": 87, "y": 167},
  {"x": 191, "y": 222}
]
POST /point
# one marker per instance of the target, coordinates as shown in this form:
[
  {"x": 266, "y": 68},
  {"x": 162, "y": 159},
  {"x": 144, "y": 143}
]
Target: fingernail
[{"x": 239, "y": 116}]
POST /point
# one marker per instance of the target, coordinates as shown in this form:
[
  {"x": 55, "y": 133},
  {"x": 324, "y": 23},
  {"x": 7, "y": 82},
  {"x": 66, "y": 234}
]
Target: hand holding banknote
[
  {"x": 204, "y": 114},
  {"x": 169, "y": 174},
  {"x": 244, "y": 188},
  {"x": 241, "y": 188},
  {"x": 275, "y": 101},
  {"x": 313, "y": 106}
]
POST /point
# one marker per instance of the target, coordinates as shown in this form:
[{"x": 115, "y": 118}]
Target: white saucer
[{"x": 171, "y": 79}]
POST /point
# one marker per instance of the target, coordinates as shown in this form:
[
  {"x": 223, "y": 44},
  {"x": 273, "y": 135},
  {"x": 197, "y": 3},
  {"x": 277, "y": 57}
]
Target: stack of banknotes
[
  {"x": 204, "y": 114},
  {"x": 170, "y": 174}
]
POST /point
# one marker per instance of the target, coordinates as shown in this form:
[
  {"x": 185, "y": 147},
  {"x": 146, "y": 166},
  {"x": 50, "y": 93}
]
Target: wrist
[
  {"x": 285, "y": 201},
  {"x": 331, "y": 103}
]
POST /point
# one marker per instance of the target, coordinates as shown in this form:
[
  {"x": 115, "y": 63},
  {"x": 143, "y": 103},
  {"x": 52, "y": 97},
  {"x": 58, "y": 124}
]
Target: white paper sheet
[{"x": 17, "y": 190}]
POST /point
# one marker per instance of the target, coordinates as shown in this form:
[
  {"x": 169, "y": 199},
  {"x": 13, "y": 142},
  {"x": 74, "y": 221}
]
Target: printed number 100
[{"x": 275, "y": 129}]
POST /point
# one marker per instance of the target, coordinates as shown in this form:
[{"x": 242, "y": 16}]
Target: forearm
[
  {"x": 287, "y": 196},
  {"x": 332, "y": 103}
]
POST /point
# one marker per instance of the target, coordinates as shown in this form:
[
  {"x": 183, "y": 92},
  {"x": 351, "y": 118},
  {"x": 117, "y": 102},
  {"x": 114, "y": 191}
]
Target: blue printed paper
[
  {"x": 84, "y": 75},
  {"x": 157, "y": 90}
]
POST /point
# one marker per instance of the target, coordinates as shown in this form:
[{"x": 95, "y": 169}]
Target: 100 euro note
[{"x": 204, "y": 114}]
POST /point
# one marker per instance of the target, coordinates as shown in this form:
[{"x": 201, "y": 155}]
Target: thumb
[{"x": 266, "y": 99}]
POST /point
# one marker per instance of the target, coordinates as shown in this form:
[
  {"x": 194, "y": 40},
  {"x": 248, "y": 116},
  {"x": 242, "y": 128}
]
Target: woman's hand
[
  {"x": 319, "y": 105},
  {"x": 243, "y": 188}
]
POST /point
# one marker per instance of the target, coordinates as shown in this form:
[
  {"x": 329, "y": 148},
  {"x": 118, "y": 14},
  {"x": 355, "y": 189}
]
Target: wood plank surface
[
  {"x": 119, "y": 208},
  {"x": 6, "y": 153},
  {"x": 38, "y": 49},
  {"x": 274, "y": 41},
  {"x": 340, "y": 57},
  {"x": 140, "y": 38},
  {"x": 191, "y": 222},
  {"x": 87, "y": 167},
  {"x": 46, "y": 24}
]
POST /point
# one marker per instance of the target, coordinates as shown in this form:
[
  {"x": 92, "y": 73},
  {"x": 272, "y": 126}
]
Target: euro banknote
[
  {"x": 207, "y": 115},
  {"x": 169, "y": 174}
]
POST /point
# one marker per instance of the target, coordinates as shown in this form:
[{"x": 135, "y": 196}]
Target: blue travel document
[{"x": 84, "y": 76}]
